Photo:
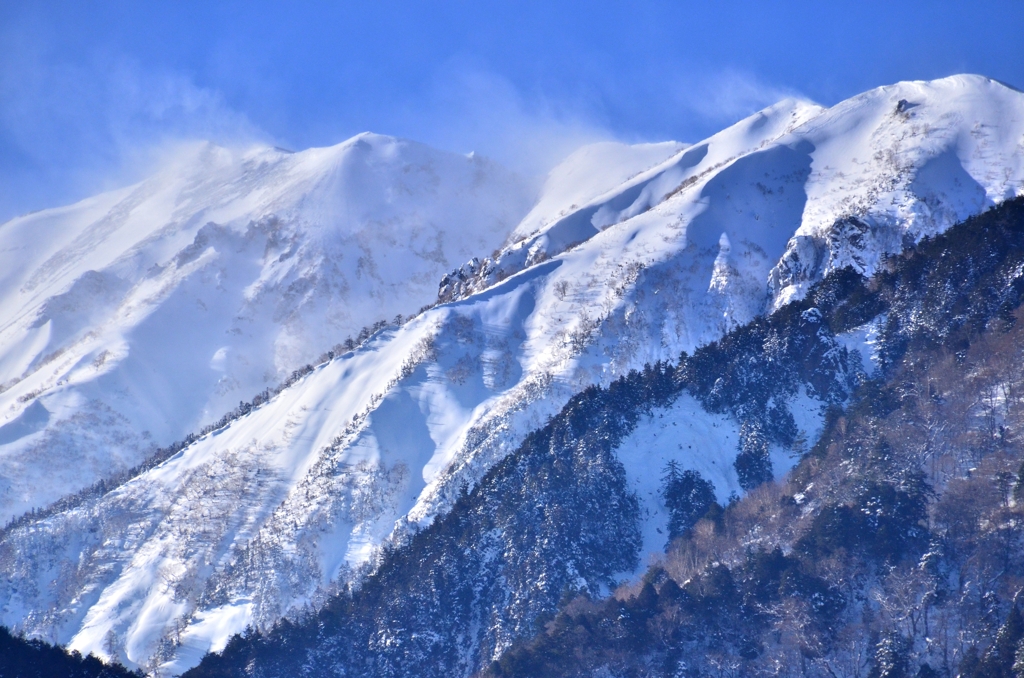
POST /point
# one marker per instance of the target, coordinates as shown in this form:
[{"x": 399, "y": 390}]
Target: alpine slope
[
  {"x": 138, "y": 316},
  {"x": 630, "y": 255}
]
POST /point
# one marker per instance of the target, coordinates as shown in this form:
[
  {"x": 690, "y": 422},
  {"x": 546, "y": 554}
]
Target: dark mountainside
[
  {"x": 20, "y": 658},
  {"x": 891, "y": 550}
]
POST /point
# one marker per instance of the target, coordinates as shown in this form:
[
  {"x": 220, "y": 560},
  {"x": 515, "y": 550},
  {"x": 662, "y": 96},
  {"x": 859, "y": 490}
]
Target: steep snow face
[
  {"x": 132, "y": 318},
  {"x": 295, "y": 497},
  {"x": 896, "y": 164}
]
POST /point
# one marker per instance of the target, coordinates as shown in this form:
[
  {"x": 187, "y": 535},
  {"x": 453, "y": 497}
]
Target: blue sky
[{"x": 93, "y": 93}]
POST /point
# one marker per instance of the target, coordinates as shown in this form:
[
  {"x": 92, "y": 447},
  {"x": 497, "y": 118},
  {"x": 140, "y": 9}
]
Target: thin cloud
[
  {"x": 74, "y": 129},
  {"x": 473, "y": 109},
  {"x": 728, "y": 96}
]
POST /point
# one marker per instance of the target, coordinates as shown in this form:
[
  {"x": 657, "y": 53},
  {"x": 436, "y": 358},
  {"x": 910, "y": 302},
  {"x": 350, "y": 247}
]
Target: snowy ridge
[
  {"x": 138, "y": 316},
  {"x": 295, "y": 496},
  {"x": 591, "y": 171},
  {"x": 896, "y": 164},
  {"x": 540, "y": 239}
]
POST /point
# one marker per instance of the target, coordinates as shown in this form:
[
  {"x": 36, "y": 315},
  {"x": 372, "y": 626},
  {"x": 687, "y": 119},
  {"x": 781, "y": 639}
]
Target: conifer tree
[
  {"x": 687, "y": 495},
  {"x": 891, "y": 658}
]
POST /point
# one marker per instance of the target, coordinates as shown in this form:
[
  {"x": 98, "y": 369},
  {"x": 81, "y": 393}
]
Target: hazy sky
[{"x": 91, "y": 93}]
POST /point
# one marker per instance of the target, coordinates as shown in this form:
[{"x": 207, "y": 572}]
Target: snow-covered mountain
[
  {"x": 613, "y": 268},
  {"x": 133, "y": 318}
]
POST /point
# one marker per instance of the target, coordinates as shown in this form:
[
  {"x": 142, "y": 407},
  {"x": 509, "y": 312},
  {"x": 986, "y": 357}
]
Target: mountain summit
[{"x": 138, "y": 316}]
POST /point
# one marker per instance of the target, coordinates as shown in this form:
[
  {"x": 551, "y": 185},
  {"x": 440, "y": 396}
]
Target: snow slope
[
  {"x": 697, "y": 440},
  {"x": 137, "y": 316},
  {"x": 586, "y": 174},
  {"x": 289, "y": 502}
]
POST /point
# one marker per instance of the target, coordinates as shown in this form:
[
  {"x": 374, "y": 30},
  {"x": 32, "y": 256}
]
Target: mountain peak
[{"x": 263, "y": 258}]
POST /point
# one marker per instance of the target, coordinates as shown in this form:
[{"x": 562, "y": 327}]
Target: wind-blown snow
[
  {"x": 290, "y": 501},
  {"x": 588, "y": 173},
  {"x": 133, "y": 318}
]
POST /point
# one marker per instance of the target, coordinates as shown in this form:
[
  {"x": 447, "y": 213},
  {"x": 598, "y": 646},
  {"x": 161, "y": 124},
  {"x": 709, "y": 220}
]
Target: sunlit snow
[{"x": 291, "y": 501}]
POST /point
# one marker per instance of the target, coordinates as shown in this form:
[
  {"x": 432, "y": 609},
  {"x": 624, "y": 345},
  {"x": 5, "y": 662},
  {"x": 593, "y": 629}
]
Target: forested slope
[
  {"x": 20, "y": 658},
  {"x": 893, "y": 544},
  {"x": 894, "y": 547}
]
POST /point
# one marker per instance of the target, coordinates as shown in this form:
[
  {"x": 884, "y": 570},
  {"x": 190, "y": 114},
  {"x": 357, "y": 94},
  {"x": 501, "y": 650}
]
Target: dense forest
[
  {"x": 894, "y": 547},
  {"x": 21, "y": 658}
]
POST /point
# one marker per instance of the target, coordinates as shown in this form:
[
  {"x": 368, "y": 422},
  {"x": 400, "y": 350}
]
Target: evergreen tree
[
  {"x": 753, "y": 465},
  {"x": 688, "y": 497},
  {"x": 1018, "y": 660},
  {"x": 1018, "y": 488},
  {"x": 892, "y": 657},
  {"x": 1000, "y": 661}
]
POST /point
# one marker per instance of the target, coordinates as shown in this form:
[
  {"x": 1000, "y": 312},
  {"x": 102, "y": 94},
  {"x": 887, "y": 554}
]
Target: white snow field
[
  {"x": 612, "y": 270},
  {"x": 132, "y": 318}
]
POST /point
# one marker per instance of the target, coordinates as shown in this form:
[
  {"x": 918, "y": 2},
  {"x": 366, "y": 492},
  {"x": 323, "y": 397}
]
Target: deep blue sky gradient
[{"x": 93, "y": 93}]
